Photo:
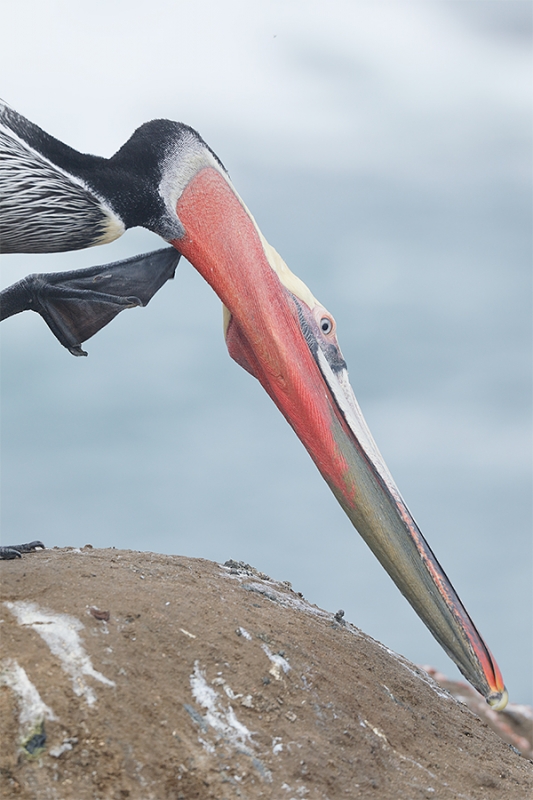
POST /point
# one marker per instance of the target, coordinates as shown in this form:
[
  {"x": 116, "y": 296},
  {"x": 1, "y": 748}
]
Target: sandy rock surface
[
  {"x": 514, "y": 725},
  {"x": 136, "y": 675}
]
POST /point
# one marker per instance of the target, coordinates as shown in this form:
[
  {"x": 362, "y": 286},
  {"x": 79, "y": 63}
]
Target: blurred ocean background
[{"x": 385, "y": 150}]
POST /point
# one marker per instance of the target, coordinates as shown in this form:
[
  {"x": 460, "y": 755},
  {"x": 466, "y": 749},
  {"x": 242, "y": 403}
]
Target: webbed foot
[
  {"x": 75, "y": 305},
  {"x": 16, "y": 550}
]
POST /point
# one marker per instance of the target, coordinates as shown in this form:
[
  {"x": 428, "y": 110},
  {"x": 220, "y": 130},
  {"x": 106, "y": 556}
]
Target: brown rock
[
  {"x": 514, "y": 724},
  {"x": 217, "y": 682}
]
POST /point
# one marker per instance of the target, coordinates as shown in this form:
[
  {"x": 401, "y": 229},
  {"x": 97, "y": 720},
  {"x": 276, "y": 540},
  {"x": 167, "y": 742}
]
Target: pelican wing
[{"x": 44, "y": 209}]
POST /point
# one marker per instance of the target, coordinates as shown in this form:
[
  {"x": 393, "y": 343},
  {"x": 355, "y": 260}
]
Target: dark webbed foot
[
  {"x": 16, "y": 550},
  {"x": 75, "y": 305}
]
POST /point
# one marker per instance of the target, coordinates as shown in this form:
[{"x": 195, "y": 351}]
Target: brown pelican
[{"x": 168, "y": 180}]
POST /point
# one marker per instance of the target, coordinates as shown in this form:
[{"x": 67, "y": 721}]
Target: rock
[
  {"x": 163, "y": 700},
  {"x": 514, "y": 724}
]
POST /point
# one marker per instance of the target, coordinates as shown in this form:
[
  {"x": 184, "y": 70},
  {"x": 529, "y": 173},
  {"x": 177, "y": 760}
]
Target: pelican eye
[{"x": 326, "y": 325}]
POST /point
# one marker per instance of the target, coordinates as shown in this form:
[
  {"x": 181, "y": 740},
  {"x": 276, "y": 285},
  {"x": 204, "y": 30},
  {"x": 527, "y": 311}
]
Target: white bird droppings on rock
[
  {"x": 57, "y": 752},
  {"x": 223, "y": 720},
  {"x": 279, "y": 664},
  {"x": 32, "y": 709},
  {"x": 60, "y": 632}
]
